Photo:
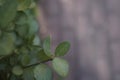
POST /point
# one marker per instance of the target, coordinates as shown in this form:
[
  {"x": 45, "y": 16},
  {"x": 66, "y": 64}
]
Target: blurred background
[{"x": 93, "y": 29}]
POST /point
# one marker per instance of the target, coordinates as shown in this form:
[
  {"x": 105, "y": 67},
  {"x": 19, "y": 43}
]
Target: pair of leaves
[
  {"x": 60, "y": 50},
  {"x": 60, "y": 66}
]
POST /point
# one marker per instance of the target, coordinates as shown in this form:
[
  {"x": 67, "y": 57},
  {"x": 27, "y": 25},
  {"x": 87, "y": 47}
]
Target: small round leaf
[
  {"x": 60, "y": 66},
  {"x": 17, "y": 70},
  {"x": 25, "y": 59},
  {"x": 42, "y": 72}
]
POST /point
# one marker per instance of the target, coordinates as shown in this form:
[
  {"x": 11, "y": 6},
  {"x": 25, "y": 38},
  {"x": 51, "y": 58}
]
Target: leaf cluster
[{"x": 22, "y": 54}]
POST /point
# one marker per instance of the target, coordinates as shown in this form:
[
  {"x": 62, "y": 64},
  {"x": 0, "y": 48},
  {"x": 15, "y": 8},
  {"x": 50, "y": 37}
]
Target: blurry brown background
[{"x": 93, "y": 28}]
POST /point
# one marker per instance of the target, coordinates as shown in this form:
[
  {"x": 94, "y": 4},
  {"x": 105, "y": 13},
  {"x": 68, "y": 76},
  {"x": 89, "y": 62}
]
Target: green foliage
[
  {"x": 17, "y": 70},
  {"x": 62, "y": 49},
  {"x": 46, "y": 47},
  {"x": 7, "y": 43},
  {"x": 24, "y": 4},
  {"x": 60, "y": 66},
  {"x": 28, "y": 74},
  {"x": 7, "y": 12},
  {"x": 42, "y": 72},
  {"x": 22, "y": 55}
]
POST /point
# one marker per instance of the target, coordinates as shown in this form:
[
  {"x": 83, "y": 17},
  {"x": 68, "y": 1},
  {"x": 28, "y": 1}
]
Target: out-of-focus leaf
[
  {"x": 23, "y": 50},
  {"x": 2, "y": 2},
  {"x": 21, "y": 18},
  {"x": 36, "y": 41},
  {"x": 25, "y": 60},
  {"x": 62, "y": 48},
  {"x": 33, "y": 4},
  {"x": 24, "y": 4},
  {"x": 42, "y": 72},
  {"x": 2, "y": 66},
  {"x": 42, "y": 56},
  {"x": 28, "y": 74},
  {"x": 7, "y": 12},
  {"x": 19, "y": 41},
  {"x": 7, "y": 44},
  {"x": 33, "y": 53},
  {"x": 33, "y": 25},
  {"x": 46, "y": 46},
  {"x": 17, "y": 70},
  {"x": 13, "y": 77},
  {"x": 22, "y": 30},
  {"x": 10, "y": 27},
  {"x": 13, "y": 60},
  {"x": 60, "y": 66}
]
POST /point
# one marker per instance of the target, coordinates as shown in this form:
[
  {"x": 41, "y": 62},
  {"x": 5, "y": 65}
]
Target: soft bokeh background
[{"x": 93, "y": 28}]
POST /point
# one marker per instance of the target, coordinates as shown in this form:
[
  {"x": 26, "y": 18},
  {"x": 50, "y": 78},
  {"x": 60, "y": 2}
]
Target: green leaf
[
  {"x": 24, "y": 4},
  {"x": 13, "y": 77},
  {"x": 22, "y": 30},
  {"x": 62, "y": 48},
  {"x": 42, "y": 56},
  {"x": 19, "y": 41},
  {"x": 7, "y": 44},
  {"x": 25, "y": 59},
  {"x": 23, "y": 50},
  {"x": 33, "y": 53},
  {"x": 17, "y": 70},
  {"x": 7, "y": 12},
  {"x": 33, "y": 25},
  {"x": 28, "y": 74},
  {"x": 42, "y": 72},
  {"x": 21, "y": 18},
  {"x": 2, "y": 66},
  {"x": 46, "y": 46},
  {"x": 36, "y": 41},
  {"x": 60, "y": 66},
  {"x": 10, "y": 27},
  {"x": 2, "y": 2},
  {"x": 33, "y": 4},
  {"x": 13, "y": 60}
]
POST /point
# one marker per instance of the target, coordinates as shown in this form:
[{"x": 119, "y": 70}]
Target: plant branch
[{"x": 37, "y": 63}]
